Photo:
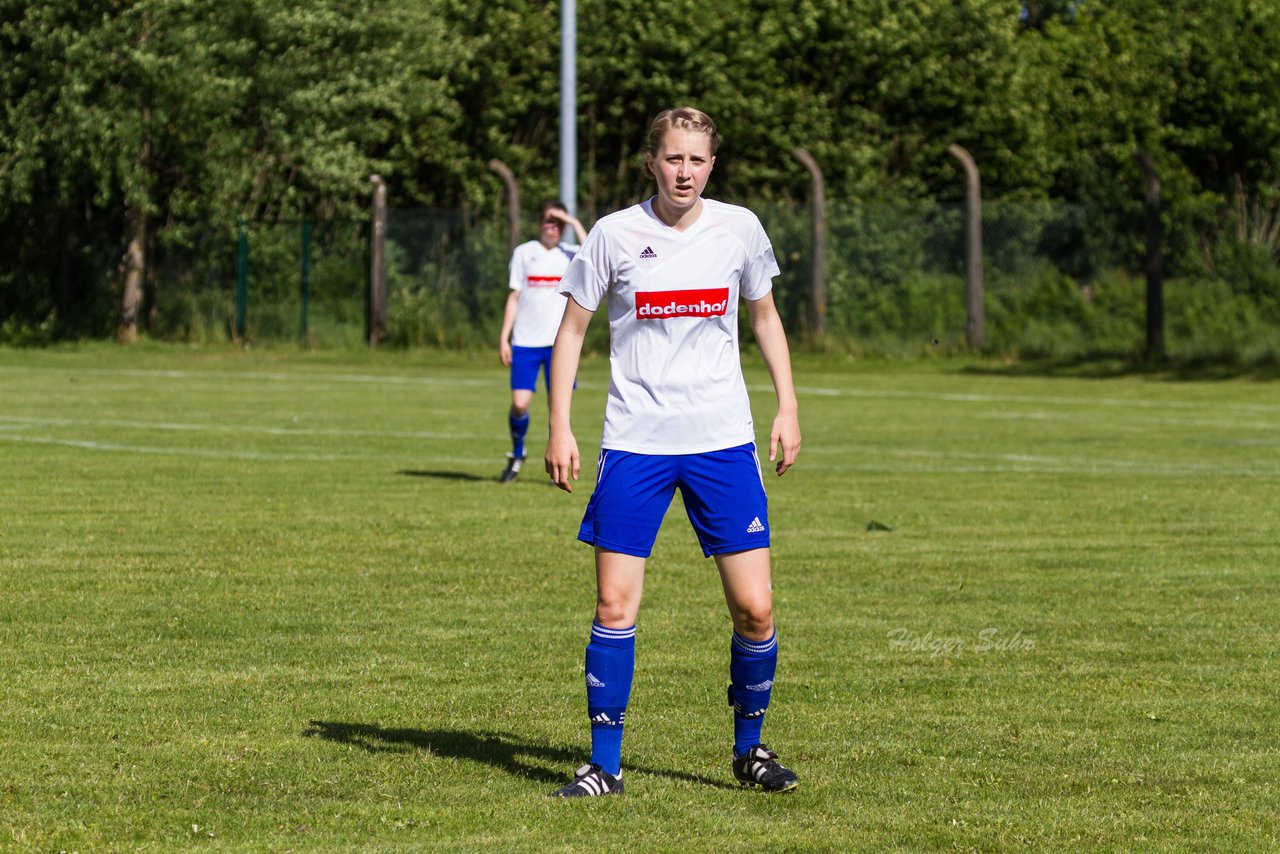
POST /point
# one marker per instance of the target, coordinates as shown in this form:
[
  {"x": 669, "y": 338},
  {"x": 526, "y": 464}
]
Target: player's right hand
[
  {"x": 562, "y": 460},
  {"x": 504, "y": 353}
]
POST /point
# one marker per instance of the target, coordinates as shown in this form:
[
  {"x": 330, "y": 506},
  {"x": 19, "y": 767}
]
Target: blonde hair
[{"x": 682, "y": 118}]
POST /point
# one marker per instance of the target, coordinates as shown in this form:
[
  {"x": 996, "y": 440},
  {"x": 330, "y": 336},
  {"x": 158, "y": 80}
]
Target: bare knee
[
  {"x": 615, "y": 612},
  {"x": 754, "y": 621},
  {"x": 617, "y": 606}
]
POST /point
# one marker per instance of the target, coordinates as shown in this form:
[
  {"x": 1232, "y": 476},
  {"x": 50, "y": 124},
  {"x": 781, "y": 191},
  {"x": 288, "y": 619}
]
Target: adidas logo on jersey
[
  {"x": 593, "y": 682},
  {"x": 755, "y": 527},
  {"x": 648, "y": 253}
]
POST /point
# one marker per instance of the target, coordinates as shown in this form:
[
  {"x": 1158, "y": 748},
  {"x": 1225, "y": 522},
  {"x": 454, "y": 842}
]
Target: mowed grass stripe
[
  {"x": 16, "y": 423},
  {"x": 382, "y": 650},
  {"x": 943, "y": 462}
]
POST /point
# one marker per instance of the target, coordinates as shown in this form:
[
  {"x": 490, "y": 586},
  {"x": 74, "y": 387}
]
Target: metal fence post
[
  {"x": 306, "y": 281},
  {"x": 818, "y": 275},
  {"x": 1154, "y": 262},
  {"x": 513, "y": 203},
  {"x": 377, "y": 264},
  {"x": 975, "y": 329},
  {"x": 242, "y": 279}
]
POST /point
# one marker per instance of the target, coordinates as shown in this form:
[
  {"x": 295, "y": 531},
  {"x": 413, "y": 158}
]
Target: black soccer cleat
[
  {"x": 759, "y": 766},
  {"x": 512, "y": 471},
  {"x": 590, "y": 781}
]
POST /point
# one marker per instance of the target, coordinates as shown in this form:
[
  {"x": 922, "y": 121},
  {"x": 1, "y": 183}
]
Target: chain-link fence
[
  {"x": 1057, "y": 281},
  {"x": 304, "y": 280},
  {"x": 897, "y": 271}
]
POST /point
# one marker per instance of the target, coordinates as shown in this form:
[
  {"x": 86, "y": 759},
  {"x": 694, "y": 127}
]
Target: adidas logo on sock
[
  {"x": 593, "y": 682},
  {"x": 761, "y": 686},
  {"x": 755, "y": 527},
  {"x": 648, "y": 253},
  {"x": 603, "y": 718}
]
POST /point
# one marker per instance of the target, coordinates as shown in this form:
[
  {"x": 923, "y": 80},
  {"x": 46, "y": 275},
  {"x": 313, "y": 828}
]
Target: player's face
[
  {"x": 551, "y": 227},
  {"x": 682, "y": 166}
]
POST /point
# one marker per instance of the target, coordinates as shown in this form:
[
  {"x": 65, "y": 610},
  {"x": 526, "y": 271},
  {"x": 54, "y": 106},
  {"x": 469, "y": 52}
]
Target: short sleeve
[
  {"x": 587, "y": 279},
  {"x": 761, "y": 266},
  {"x": 515, "y": 275}
]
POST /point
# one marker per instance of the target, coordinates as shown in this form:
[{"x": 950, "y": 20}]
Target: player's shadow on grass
[
  {"x": 499, "y": 749},
  {"x": 462, "y": 475},
  {"x": 443, "y": 475}
]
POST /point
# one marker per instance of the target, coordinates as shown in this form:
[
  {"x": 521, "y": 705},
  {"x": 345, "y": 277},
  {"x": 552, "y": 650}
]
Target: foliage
[{"x": 184, "y": 118}]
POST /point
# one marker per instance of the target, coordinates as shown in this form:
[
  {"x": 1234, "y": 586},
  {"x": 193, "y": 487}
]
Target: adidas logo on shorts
[
  {"x": 756, "y": 527},
  {"x": 648, "y": 253}
]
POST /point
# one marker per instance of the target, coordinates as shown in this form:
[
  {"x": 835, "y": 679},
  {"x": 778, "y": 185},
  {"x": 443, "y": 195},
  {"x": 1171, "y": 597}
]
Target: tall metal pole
[{"x": 569, "y": 105}]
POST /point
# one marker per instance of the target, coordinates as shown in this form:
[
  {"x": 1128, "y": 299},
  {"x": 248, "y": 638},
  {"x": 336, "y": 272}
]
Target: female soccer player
[
  {"x": 672, "y": 270},
  {"x": 531, "y": 318}
]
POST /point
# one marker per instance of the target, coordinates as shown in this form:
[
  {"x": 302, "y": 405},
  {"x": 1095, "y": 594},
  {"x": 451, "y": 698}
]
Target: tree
[{"x": 159, "y": 116}]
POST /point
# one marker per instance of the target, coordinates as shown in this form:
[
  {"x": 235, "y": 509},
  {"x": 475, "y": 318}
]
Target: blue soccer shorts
[
  {"x": 723, "y": 494},
  {"x": 525, "y": 362}
]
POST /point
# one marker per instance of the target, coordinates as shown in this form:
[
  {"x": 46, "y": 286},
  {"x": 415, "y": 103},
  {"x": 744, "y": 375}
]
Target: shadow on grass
[
  {"x": 443, "y": 475},
  {"x": 499, "y": 749}
]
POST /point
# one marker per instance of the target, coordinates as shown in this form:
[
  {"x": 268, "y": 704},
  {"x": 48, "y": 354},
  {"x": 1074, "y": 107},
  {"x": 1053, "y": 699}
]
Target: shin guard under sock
[
  {"x": 610, "y": 666},
  {"x": 519, "y": 425},
  {"x": 751, "y": 669}
]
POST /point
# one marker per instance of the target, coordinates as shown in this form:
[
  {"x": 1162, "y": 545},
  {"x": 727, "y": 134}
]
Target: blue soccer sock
[
  {"x": 611, "y": 665},
  {"x": 519, "y": 427},
  {"x": 751, "y": 668}
]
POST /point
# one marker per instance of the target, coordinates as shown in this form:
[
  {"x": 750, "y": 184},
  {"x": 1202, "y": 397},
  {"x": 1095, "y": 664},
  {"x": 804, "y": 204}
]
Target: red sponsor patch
[
  {"x": 660, "y": 305},
  {"x": 542, "y": 281}
]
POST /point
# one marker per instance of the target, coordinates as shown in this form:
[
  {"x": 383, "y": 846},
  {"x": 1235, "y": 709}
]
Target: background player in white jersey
[
  {"x": 532, "y": 316},
  {"x": 671, "y": 271}
]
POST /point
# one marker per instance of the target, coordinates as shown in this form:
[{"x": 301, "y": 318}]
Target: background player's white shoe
[{"x": 512, "y": 471}]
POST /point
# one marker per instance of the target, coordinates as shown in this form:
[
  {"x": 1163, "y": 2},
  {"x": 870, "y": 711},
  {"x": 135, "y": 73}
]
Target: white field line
[
  {"x": 500, "y": 380},
  {"x": 223, "y": 454},
  {"x": 19, "y": 422},
  {"x": 1121, "y": 402},
  {"x": 176, "y": 451},
  {"x": 1043, "y": 462},
  {"x": 930, "y": 462},
  {"x": 268, "y": 376},
  {"x": 1131, "y": 419}
]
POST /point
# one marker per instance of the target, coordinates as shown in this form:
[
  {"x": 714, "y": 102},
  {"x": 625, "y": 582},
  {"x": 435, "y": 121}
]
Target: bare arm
[
  {"x": 562, "y": 459},
  {"x": 508, "y": 323},
  {"x": 570, "y": 220},
  {"x": 767, "y": 326}
]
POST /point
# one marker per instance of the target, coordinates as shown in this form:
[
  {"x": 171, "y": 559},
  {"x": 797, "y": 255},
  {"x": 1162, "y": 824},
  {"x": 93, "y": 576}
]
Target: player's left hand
[
  {"x": 562, "y": 460},
  {"x": 785, "y": 433}
]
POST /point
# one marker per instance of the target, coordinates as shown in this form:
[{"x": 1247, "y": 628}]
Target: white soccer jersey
[
  {"x": 535, "y": 273},
  {"x": 676, "y": 376}
]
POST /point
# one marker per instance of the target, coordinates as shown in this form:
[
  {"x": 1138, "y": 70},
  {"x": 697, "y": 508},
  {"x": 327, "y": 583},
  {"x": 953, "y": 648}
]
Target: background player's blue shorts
[
  {"x": 525, "y": 362},
  {"x": 723, "y": 495}
]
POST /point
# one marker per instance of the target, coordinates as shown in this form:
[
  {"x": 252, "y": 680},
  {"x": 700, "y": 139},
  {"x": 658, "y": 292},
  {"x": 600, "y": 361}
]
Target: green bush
[
  {"x": 1250, "y": 271},
  {"x": 15, "y": 332},
  {"x": 1209, "y": 320}
]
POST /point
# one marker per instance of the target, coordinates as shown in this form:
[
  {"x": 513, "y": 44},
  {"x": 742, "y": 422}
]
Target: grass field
[{"x": 278, "y": 601}]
